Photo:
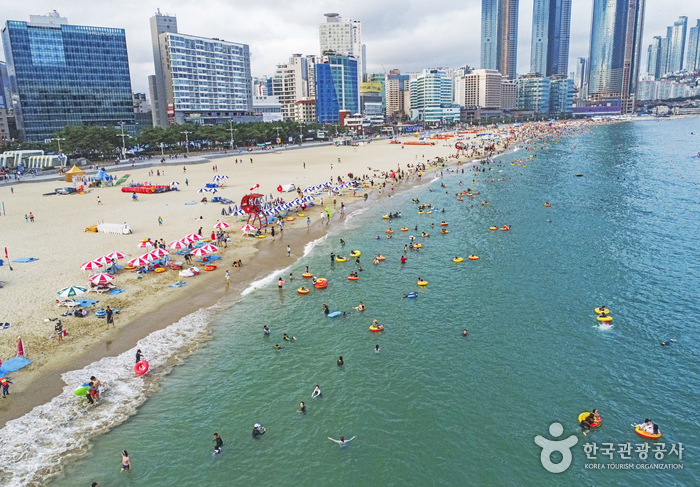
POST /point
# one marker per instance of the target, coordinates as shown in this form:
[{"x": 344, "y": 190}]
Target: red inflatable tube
[{"x": 141, "y": 367}]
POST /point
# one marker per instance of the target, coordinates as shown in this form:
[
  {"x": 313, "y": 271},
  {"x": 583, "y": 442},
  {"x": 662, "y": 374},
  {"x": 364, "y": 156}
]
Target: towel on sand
[
  {"x": 14, "y": 364},
  {"x": 25, "y": 259}
]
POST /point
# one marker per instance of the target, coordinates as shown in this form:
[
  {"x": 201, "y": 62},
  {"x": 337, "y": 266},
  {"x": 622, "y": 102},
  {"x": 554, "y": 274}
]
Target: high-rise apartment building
[
  {"x": 290, "y": 84},
  {"x": 676, "y": 47},
  {"x": 580, "y": 74},
  {"x": 615, "y": 51},
  {"x": 431, "y": 97},
  {"x": 336, "y": 88},
  {"x": 62, "y": 74},
  {"x": 561, "y": 94},
  {"x": 207, "y": 81},
  {"x": 694, "y": 49},
  {"x": 160, "y": 23},
  {"x": 397, "y": 94},
  {"x": 551, "y": 21},
  {"x": 482, "y": 88},
  {"x": 533, "y": 93},
  {"x": 344, "y": 36},
  {"x": 664, "y": 51},
  {"x": 499, "y": 36},
  {"x": 654, "y": 58}
]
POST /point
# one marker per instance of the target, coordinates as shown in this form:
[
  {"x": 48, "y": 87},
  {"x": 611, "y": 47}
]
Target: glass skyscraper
[
  {"x": 551, "y": 21},
  {"x": 676, "y": 48},
  {"x": 499, "y": 36},
  {"x": 63, "y": 74},
  {"x": 336, "y": 88},
  {"x": 615, "y": 51}
]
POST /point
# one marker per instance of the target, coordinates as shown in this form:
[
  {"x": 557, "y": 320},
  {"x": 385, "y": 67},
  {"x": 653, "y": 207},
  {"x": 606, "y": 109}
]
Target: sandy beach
[{"x": 57, "y": 238}]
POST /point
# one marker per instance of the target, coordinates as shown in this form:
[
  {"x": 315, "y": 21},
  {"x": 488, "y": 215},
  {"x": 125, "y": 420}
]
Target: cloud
[{"x": 407, "y": 34}]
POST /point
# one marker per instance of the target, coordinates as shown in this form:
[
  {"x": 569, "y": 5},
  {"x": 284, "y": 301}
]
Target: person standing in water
[
  {"x": 340, "y": 361},
  {"x": 377, "y": 349},
  {"x": 316, "y": 393},
  {"x": 302, "y": 408},
  {"x": 139, "y": 356},
  {"x": 126, "y": 461},
  {"x": 218, "y": 443}
]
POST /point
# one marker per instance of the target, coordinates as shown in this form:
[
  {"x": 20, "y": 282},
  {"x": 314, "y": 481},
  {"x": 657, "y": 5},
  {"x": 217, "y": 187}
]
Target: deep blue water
[{"x": 434, "y": 408}]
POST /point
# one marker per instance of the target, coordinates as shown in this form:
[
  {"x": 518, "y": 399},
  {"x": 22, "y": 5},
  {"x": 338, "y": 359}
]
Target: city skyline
[{"x": 412, "y": 42}]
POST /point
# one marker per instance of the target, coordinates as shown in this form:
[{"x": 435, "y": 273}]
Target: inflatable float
[
  {"x": 334, "y": 314},
  {"x": 422, "y": 283},
  {"x": 376, "y": 327},
  {"x": 643, "y": 433},
  {"x": 307, "y": 274},
  {"x": 353, "y": 278},
  {"x": 603, "y": 311},
  {"x": 458, "y": 259},
  {"x": 303, "y": 290},
  {"x": 595, "y": 423},
  {"x": 341, "y": 259},
  {"x": 141, "y": 367},
  {"x": 473, "y": 257},
  {"x": 321, "y": 283},
  {"x": 355, "y": 253},
  {"x": 604, "y": 318},
  {"x": 82, "y": 390}
]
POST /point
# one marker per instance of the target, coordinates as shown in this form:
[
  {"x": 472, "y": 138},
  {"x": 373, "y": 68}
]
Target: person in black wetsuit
[
  {"x": 218, "y": 443},
  {"x": 139, "y": 356},
  {"x": 332, "y": 257},
  {"x": 340, "y": 361},
  {"x": 258, "y": 430},
  {"x": 325, "y": 309}
]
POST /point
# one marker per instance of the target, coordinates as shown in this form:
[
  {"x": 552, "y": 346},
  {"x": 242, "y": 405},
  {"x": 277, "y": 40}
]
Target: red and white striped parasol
[
  {"x": 178, "y": 244},
  {"x": 140, "y": 260},
  {"x": 91, "y": 266},
  {"x": 200, "y": 252},
  {"x": 158, "y": 253},
  {"x": 247, "y": 228},
  {"x": 221, "y": 225},
  {"x": 104, "y": 260},
  {"x": 210, "y": 248},
  {"x": 145, "y": 244},
  {"x": 116, "y": 256},
  {"x": 194, "y": 236},
  {"x": 101, "y": 278}
]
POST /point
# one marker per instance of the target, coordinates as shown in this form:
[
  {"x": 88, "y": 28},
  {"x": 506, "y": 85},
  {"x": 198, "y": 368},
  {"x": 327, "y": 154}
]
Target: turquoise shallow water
[{"x": 434, "y": 408}]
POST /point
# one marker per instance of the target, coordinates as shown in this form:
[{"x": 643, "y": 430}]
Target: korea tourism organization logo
[{"x": 601, "y": 456}]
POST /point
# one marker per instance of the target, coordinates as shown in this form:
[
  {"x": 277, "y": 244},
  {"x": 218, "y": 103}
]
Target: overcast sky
[{"x": 405, "y": 34}]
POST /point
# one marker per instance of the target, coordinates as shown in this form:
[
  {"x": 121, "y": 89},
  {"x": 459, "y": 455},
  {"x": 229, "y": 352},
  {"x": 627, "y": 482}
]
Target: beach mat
[
  {"x": 14, "y": 364},
  {"x": 114, "y": 292},
  {"x": 190, "y": 203},
  {"x": 25, "y": 259},
  {"x": 178, "y": 284}
]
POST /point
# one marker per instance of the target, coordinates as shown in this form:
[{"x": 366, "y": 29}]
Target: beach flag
[{"x": 20, "y": 347}]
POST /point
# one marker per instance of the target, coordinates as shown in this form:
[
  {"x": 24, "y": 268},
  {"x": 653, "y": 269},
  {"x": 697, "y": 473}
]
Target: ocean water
[{"x": 434, "y": 408}]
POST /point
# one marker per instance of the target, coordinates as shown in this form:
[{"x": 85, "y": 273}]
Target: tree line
[{"x": 98, "y": 142}]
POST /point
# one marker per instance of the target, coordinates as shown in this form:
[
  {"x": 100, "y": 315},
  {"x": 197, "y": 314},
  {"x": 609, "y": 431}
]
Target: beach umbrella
[
  {"x": 158, "y": 253},
  {"x": 178, "y": 244},
  {"x": 221, "y": 225},
  {"x": 91, "y": 266},
  {"x": 210, "y": 248},
  {"x": 199, "y": 252},
  {"x": 116, "y": 256},
  {"x": 145, "y": 244},
  {"x": 213, "y": 190},
  {"x": 174, "y": 183},
  {"x": 216, "y": 178},
  {"x": 248, "y": 228},
  {"x": 194, "y": 236},
  {"x": 104, "y": 260},
  {"x": 71, "y": 291},
  {"x": 101, "y": 278},
  {"x": 223, "y": 176},
  {"x": 141, "y": 260}
]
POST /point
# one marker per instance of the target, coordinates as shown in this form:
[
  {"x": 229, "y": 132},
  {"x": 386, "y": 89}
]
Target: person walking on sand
[
  {"x": 160, "y": 221},
  {"x": 99, "y": 202},
  {"x": 109, "y": 315},
  {"x": 228, "y": 278},
  {"x": 5, "y": 387},
  {"x": 289, "y": 251},
  {"x": 184, "y": 169},
  {"x": 273, "y": 233},
  {"x": 31, "y": 217}
]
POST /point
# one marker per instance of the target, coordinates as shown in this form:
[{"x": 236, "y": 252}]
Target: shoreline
[{"x": 43, "y": 383}]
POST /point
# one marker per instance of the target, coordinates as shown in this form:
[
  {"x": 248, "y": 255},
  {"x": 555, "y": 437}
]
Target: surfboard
[{"x": 334, "y": 314}]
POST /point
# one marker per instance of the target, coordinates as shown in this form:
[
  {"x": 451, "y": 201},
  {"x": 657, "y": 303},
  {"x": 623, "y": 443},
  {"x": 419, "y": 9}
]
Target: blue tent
[{"x": 102, "y": 175}]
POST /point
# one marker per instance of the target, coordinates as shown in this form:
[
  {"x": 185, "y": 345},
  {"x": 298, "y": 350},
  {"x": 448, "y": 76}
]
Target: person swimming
[
  {"x": 266, "y": 330},
  {"x": 342, "y": 242},
  {"x": 218, "y": 443},
  {"x": 377, "y": 349},
  {"x": 360, "y": 307},
  {"x": 341, "y": 440},
  {"x": 668, "y": 342},
  {"x": 340, "y": 361},
  {"x": 302, "y": 408},
  {"x": 316, "y": 393},
  {"x": 465, "y": 333},
  {"x": 288, "y": 339},
  {"x": 325, "y": 309},
  {"x": 588, "y": 421},
  {"x": 277, "y": 347}
]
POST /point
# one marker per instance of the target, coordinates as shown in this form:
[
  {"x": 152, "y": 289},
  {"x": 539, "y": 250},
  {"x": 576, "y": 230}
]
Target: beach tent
[
  {"x": 101, "y": 175},
  {"x": 74, "y": 171}
]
